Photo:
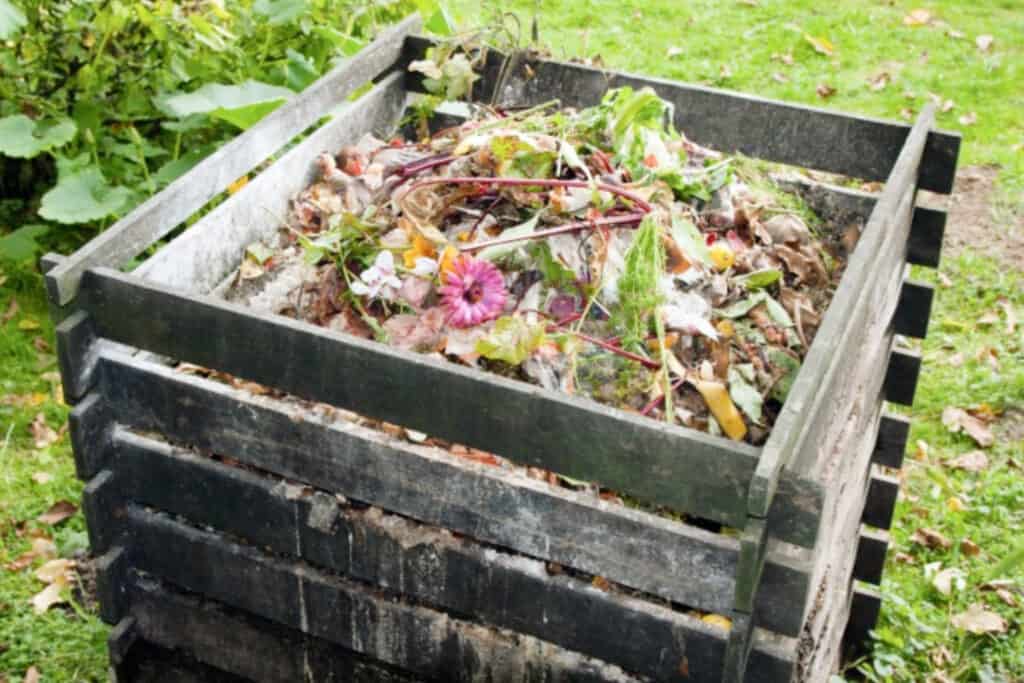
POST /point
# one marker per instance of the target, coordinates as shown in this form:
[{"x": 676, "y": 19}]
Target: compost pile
[{"x": 596, "y": 252}]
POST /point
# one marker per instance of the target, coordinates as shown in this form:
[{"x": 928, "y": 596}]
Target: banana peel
[{"x": 716, "y": 395}]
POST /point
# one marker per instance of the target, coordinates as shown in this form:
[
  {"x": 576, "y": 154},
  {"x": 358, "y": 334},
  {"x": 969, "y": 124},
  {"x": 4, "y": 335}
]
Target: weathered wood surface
[
  {"x": 148, "y": 663},
  {"x": 865, "y": 605},
  {"x": 165, "y": 211},
  {"x": 901, "y": 376},
  {"x": 871, "y": 551},
  {"x": 834, "y": 377},
  {"x": 349, "y": 614},
  {"x": 648, "y": 553},
  {"x": 892, "y": 440},
  {"x": 734, "y": 122},
  {"x": 680, "y": 468},
  {"x": 222, "y": 644},
  {"x": 914, "y": 309},
  {"x": 843, "y": 206},
  {"x": 210, "y": 250},
  {"x": 425, "y": 563},
  {"x": 881, "y": 502}
]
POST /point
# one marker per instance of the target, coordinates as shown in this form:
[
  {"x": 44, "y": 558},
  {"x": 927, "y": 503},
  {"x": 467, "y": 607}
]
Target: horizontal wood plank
[
  {"x": 424, "y": 563},
  {"x": 207, "y": 252},
  {"x": 914, "y": 309},
  {"x": 163, "y": 212},
  {"x": 655, "y": 555},
  {"x": 892, "y": 440},
  {"x": 680, "y": 468},
  {"x": 881, "y": 502},
  {"x": 729, "y": 121}
]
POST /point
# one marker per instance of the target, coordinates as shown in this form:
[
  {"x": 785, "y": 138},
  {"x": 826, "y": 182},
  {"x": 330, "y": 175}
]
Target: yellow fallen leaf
[
  {"x": 238, "y": 184},
  {"x": 821, "y": 45},
  {"x": 56, "y": 571},
  {"x": 421, "y": 248},
  {"x": 919, "y": 17},
  {"x": 717, "y": 620},
  {"x": 717, "y": 397},
  {"x": 955, "y": 504},
  {"x": 47, "y": 598},
  {"x": 28, "y": 324},
  {"x": 448, "y": 257}
]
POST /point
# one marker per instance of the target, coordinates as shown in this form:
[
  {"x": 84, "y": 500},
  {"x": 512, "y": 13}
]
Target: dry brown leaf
[
  {"x": 58, "y": 570},
  {"x": 879, "y": 81},
  {"x": 32, "y": 675},
  {"x": 968, "y": 119},
  {"x": 956, "y": 360},
  {"x": 975, "y": 461},
  {"x": 953, "y": 33},
  {"x": 825, "y": 91},
  {"x": 958, "y": 420},
  {"x": 42, "y": 547},
  {"x": 918, "y": 17},
  {"x": 948, "y": 580},
  {"x": 988, "y": 318},
  {"x": 42, "y": 477},
  {"x": 1011, "y": 316},
  {"x": 944, "y": 280},
  {"x": 780, "y": 78},
  {"x": 978, "y": 620},
  {"x": 43, "y": 435},
  {"x": 48, "y": 597},
  {"x": 12, "y": 310},
  {"x": 941, "y": 656},
  {"x": 969, "y": 548},
  {"x": 58, "y": 512},
  {"x": 921, "y": 452},
  {"x": 725, "y": 72},
  {"x": 907, "y": 114},
  {"x": 930, "y": 538},
  {"x": 903, "y": 558},
  {"x": 990, "y": 356},
  {"x": 1008, "y": 598},
  {"x": 984, "y": 42}
]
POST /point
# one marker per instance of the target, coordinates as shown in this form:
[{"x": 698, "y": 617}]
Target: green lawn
[{"x": 746, "y": 46}]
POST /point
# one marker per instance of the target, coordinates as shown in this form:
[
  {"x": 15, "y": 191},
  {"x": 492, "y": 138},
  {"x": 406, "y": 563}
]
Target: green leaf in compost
[
  {"x": 512, "y": 340},
  {"x": 521, "y": 230},
  {"x": 689, "y": 239},
  {"x": 760, "y": 279},
  {"x": 787, "y": 367},
  {"x": 82, "y": 197},
  {"x": 743, "y": 393},
  {"x": 12, "y": 20},
  {"x": 23, "y": 138}
]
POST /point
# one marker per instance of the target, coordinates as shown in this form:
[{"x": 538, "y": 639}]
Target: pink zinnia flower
[{"x": 474, "y": 292}]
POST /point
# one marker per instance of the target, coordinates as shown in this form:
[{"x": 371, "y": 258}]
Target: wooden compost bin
[{"x": 241, "y": 536}]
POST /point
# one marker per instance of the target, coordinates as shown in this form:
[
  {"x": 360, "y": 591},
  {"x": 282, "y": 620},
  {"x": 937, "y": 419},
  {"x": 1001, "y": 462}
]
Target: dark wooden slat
[
  {"x": 222, "y": 644},
  {"x": 111, "y": 576},
  {"x": 901, "y": 376},
  {"x": 926, "y": 233},
  {"x": 651, "y": 554},
  {"x": 88, "y": 424},
  {"x": 101, "y": 499},
  {"x": 121, "y": 639},
  {"x": 871, "y": 550},
  {"x": 881, "y": 502},
  {"x": 857, "y": 318},
  {"x": 148, "y": 663},
  {"x": 76, "y": 355},
  {"x": 865, "y": 606},
  {"x": 914, "y": 309},
  {"x": 737, "y": 653},
  {"x": 661, "y": 464},
  {"x": 296, "y": 596},
  {"x": 208, "y": 251},
  {"x": 734, "y": 122},
  {"x": 892, "y": 440},
  {"x": 162, "y": 213},
  {"x": 390, "y": 552}
]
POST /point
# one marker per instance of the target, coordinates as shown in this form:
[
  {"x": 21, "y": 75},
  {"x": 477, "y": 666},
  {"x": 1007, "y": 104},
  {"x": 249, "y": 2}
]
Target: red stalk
[
  {"x": 657, "y": 402},
  {"x": 539, "y": 182},
  {"x": 625, "y": 219},
  {"x": 646, "y": 362}
]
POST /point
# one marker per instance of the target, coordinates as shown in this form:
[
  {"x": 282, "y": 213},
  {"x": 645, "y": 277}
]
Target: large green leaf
[
  {"x": 21, "y": 244},
  {"x": 241, "y": 105},
  {"x": 280, "y": 11},
  {"x": 82, "y": 197},
  {"x": 12, "y": 20},
  {"x": 24, "y": 138}
]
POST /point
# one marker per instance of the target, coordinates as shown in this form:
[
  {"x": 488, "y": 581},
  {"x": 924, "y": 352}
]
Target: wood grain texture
[
  {"x": 88, "y": 424},
  {"x": 209, "y": 251},
  {"x": 655, "y": 555},
  {"x": 735, "y": 122},
  {"x": 892, "y": 440},
  {"x": 76, "y": 355},
  {"x": 163, "y": 212},
  {"x": 426, "y": 564},
  {"x": 914, "y": 309},
  {"x": 680, "y": 468},
  {"x": 346, "y": 613}
]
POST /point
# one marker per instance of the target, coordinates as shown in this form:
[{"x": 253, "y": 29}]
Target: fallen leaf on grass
[
  {"x": 673, "y": 51},
  {"x": 930, "y": 538},
  {"x": 12, "y": 310},
  {"x": 821, "y": 45},
  {"x": 988, "y": 318},
  {"x": 58, "y": 512},
  {"x": 949, "y": 579},
  {"x": 43, "y": 434},
  {"x": 984, "y": 42},
  {"x": 958, "y": 420},
  {"x": 989, "y": 355},
  {"x": 825, "y": 91},
  {"x": 57, "y": 570},
  {"x": 969, "y": 548},
  {"x": 41, "y": 547},
  {"x": 953, "y": 33},
  {"x": 974, "y": 461},
  {"x": 1011, "y": 316},
  {"x": 40, "y": 344},
  {"x": 956, "y": 360},
  {"x": 918, "y": 17},
  {"x": 878, "y": 82},
  {"x": 954, "y": 504},
  {"x": 907, "y": 114},
  {"x": 47, "y": 598},
  {"x": 921, "y": 452},
  {"x": 969, "y": 119},
  {"x": 28, "y": 324},
  {"x": 978, "y": 620},
  {"x": 42, "y": 477},
  {"x": 31, "y": 676},
  {"x": 1001, "y": 587},
  {"x": 941, "y": 656},
  {"x": 780, "y": 78}
]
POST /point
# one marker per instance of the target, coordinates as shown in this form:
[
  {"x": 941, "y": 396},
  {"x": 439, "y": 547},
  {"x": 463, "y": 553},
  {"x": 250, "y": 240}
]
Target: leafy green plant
[{"x": 104, "y": 103}]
